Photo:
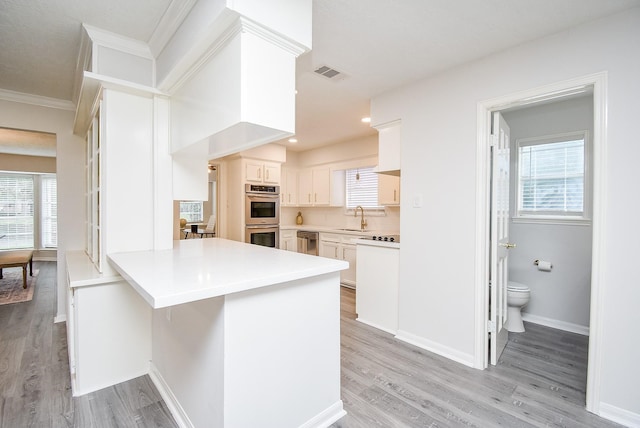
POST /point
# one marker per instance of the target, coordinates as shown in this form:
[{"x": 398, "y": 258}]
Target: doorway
[{"x": 528, "y": 98}]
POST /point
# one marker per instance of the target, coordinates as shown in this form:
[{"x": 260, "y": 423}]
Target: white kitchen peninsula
[{"x": 242, "y": 335}]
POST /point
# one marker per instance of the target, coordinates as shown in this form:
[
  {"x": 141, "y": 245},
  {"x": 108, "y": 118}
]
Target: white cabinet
[
  {"x": 108, "y": 327},
  {"x": 389, "y": 139},
  {"x": 377, "y": 296},
  {"x": 341, "y": 247},
  {"x": 289, "y": 240},
  {"x": 262, "y": 172},
  {"x": 388, "y": 189},
  {"x": 289, "y": 188},
  {"x": 314, "y": 187}
]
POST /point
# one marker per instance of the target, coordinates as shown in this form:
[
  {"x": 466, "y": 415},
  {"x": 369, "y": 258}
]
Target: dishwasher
[{"x": 308, "y": 242}]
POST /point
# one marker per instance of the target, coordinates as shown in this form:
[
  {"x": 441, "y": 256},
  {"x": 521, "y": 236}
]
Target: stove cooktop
[{"x": 386, "y": 238}]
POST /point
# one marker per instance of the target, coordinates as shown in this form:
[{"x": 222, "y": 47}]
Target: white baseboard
[
  {"x": 326, "y": 417},
  {"x": 170, "y": 400},
  {"x": 379, "y": 327},
  {"x": 560, "y": 325},
  {"x": 436, "y": 348},
  {"x": 60, "y": 318},
  {"x": 618, "y": 415}
]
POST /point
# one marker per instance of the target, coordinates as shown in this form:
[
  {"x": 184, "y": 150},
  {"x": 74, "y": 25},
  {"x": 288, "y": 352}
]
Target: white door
[{"x": 499, "y": 236}]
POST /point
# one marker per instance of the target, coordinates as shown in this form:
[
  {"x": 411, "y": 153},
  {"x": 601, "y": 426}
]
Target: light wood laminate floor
[
  {"x": 539, "y": 381},
  {"x": 35, "y": 388},
  {"x": 385, "y": 383}
]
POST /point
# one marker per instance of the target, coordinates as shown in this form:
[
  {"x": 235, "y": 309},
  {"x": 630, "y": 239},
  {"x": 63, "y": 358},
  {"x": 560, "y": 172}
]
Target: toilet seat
[{"x": 516, "y": 286}]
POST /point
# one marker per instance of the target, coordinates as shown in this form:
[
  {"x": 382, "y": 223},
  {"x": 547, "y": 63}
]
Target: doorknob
[{"x": 508, "y": 245}]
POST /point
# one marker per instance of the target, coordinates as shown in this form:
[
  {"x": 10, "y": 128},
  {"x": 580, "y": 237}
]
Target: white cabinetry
[
  {"x": 262, "y": 172},
  {"x": 108, "y": 328},
  {"x": 341, "y": 247},
  {"x": 289, "y": 240},
  {"x": 314, "y": 187},
  {"x": 289, "y": 188},
  {"x": 389, "y": 139},
  {"x": 377, "y": 297},
  {"x": 388, "y": 189}
]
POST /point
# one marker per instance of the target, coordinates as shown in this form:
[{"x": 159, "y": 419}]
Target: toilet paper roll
[{"x": 544, "y": 266}]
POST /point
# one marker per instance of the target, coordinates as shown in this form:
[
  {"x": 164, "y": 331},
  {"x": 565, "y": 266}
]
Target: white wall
[
  {"x": 439, "y": 126},
  {"x": 69, "y": 173},
  {"x": 559, "y": 298}
]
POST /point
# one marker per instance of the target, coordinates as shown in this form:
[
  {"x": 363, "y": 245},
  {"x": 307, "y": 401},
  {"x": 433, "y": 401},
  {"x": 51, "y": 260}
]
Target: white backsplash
[{"x": 336, "y": 217}]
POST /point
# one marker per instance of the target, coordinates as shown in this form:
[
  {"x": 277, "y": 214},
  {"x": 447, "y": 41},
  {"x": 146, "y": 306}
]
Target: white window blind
[
  {"x": 191, "y": 211},
  {"x": 362, "y": 188},
  {"x": 49, "y": 217},
  {"x": 16, "y": 211},
  {"x": 551, "y": 177}
]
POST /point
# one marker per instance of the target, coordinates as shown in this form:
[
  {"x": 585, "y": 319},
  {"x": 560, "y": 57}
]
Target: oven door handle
[{"x": 264, "y": 197}]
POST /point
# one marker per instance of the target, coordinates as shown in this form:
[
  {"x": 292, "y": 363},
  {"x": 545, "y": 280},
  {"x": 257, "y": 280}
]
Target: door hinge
[
  {"x": 491, "y": 326},
  {"x": 493, "y": 140}
]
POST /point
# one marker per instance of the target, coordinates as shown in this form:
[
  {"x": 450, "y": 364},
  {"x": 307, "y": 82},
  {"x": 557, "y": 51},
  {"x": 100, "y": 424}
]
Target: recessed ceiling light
[
  {"x": 366, "y": 120},
  {"x": 293, "y": 140}
]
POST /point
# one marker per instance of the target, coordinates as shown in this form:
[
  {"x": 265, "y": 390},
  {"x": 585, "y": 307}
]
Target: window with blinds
[
  {"x": 16, "y": 211},
  {"x": 361, "y": 188},
  {"x": 552, "y": 176},
  {"x": 49, "y": 211}
]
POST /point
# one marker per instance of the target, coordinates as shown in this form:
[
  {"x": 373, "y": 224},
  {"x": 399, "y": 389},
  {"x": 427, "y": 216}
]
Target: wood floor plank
[{"x": 538, "y": 382}]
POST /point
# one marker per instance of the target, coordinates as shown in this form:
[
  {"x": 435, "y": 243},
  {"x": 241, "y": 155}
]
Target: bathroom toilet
[{"x": 517, "y": 297}]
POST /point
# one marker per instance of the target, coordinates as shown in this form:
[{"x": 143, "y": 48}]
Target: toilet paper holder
[{"x": 537, "y": 261}]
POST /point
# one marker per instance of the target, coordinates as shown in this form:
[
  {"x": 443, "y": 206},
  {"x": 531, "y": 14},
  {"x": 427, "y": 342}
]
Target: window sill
[{"x": 558, "y": 220}]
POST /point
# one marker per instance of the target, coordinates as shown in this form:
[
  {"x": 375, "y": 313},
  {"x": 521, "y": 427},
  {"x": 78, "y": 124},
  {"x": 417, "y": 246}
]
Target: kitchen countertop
[
  {"x": 197, "y": 269},
  {"x": 328, "y": 229},
  {"x": 372, "y": 243}
]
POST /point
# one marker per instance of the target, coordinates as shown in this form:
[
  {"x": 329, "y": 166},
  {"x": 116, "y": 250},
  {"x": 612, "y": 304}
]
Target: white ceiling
[{"x": 377, "y": 44}]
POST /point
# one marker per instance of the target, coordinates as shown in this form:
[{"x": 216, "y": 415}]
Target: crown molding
[
  {"x": 118, "y": 42},
  {"x": 37, "y": 100},
  {"x": 224, "y": 29},
  {"x": 169, "y": 24}
]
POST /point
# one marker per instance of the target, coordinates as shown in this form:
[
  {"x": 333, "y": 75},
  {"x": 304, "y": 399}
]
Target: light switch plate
[{"x": 418, "y": 200}]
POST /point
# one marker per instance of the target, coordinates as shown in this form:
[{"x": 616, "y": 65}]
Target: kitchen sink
[{"x": 352, "y": 230}]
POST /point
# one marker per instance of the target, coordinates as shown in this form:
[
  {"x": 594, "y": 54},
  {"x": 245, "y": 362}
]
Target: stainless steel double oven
[{"x": 262, "y": 215}]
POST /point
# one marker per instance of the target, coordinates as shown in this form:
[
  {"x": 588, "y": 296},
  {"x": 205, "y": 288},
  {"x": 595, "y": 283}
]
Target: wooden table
[{"x": 17, "y": 258}]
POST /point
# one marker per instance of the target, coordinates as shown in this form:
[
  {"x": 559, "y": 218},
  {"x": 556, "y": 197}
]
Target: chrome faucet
[{"x": 363, "y": 222}]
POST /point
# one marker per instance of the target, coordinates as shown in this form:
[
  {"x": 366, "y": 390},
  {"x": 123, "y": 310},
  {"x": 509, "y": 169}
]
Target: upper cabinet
[
  {"x": 388, "y": 190},
  {"x": 319, "y": 187},
  {"x": 289, "y": 188},
  {"x": 389, "y": 143},
  {"x": 262, "y": 172}
]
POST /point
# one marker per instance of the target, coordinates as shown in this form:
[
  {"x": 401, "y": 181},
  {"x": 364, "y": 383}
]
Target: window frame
[
  {"x": 523, "y": 216},
  {"x": 371, "y": 210},
  {"x": 201, "y": 211}
]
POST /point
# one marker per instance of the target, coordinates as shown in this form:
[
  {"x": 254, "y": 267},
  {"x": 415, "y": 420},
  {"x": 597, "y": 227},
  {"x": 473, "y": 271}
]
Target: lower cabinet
[
  {"x": 108, "y": 328},
  {"x": 289, "y": 239},
  {"x": 377, "y": 297},
  {"x": 341, "y": 247}
]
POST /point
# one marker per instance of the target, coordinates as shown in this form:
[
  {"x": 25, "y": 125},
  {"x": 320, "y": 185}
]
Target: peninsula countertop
[{"x": 197, "y": 269}]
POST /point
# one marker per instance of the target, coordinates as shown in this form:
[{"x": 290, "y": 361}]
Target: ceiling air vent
[{"x": 329, "y": 73}]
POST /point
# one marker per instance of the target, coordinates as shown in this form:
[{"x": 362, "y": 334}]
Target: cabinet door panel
[
  {"x": 321, "y": 186},
  {"x": 348, "y": 277},
  {"x": 305, "y": 188},
  {"x": 388, "y": 190}
]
